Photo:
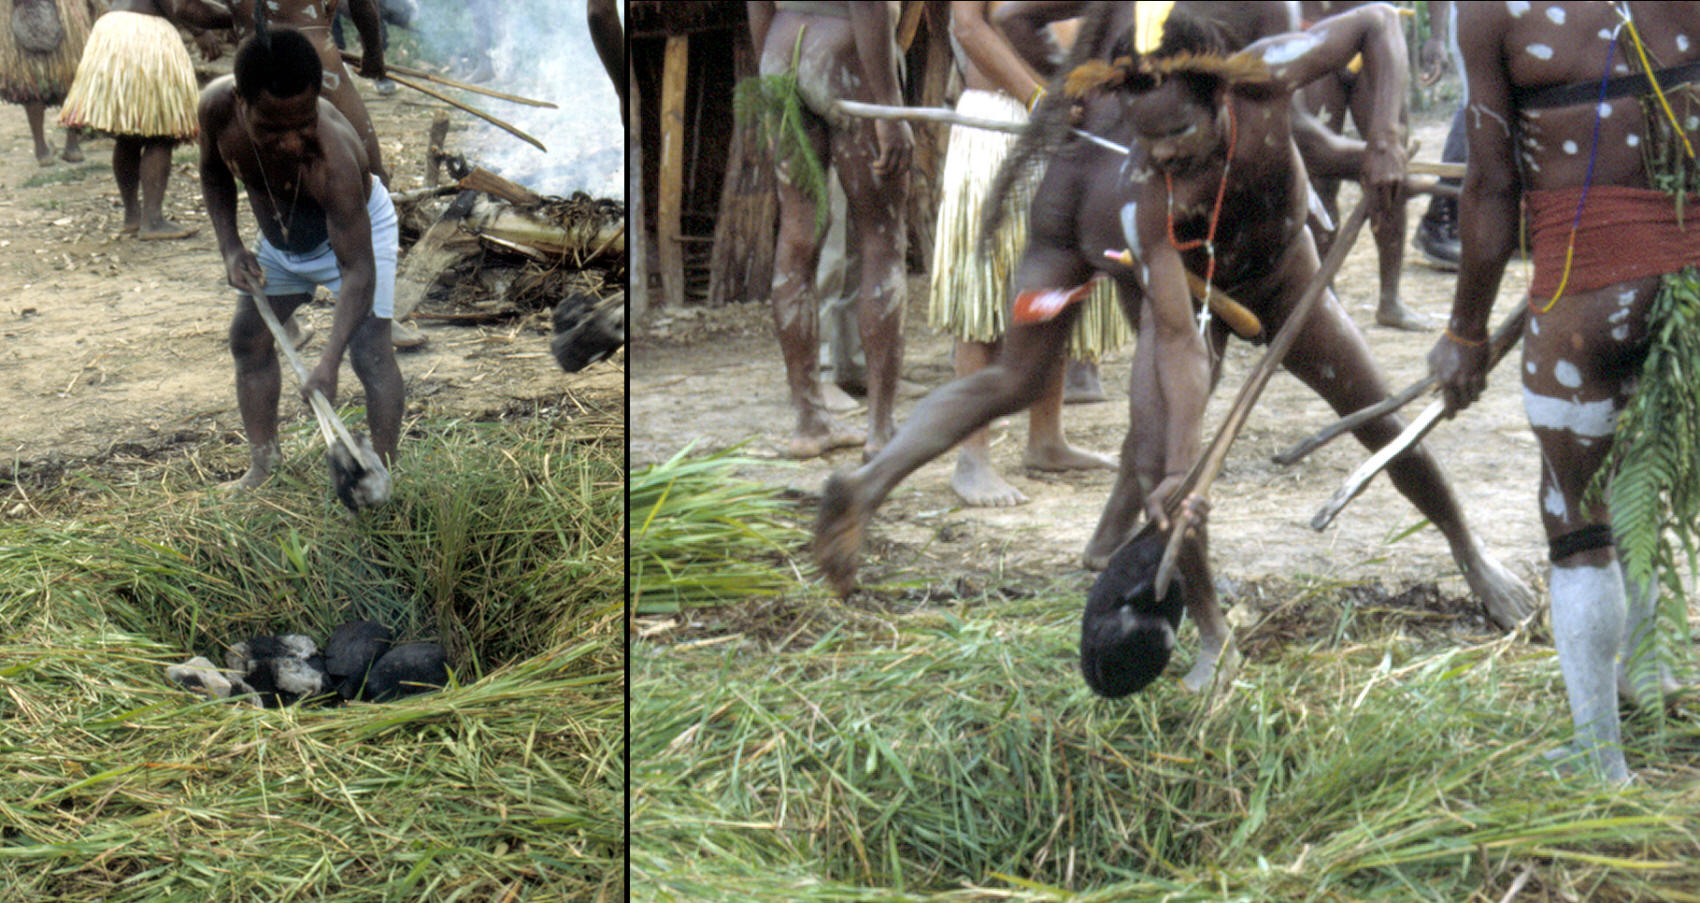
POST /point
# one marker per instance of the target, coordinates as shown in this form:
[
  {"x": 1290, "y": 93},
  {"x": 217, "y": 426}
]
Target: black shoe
[{"x": 1437, "y": 238}]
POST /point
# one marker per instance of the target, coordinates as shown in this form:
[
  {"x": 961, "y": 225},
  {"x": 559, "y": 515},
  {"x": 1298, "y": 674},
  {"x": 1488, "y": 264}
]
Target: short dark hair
[{"x": 282, "y": 63}]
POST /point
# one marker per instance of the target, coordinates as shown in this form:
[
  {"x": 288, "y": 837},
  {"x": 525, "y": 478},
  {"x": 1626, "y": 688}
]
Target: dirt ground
[
  {"x": 715, "y": 378},
  {"x": 111, "y": 345}
]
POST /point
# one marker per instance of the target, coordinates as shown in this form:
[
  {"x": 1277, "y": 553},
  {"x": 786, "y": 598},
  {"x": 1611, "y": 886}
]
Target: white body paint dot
[
  {"x": 1556, "y": 14},
  {"x": 1633, "y": 139},
  {"x": 1291, "y": 49},
  {"x": 1570, "y": 147},
  {"x": 1567, "y": 374},
  {"x": 1682, "y": 43},
  {"x": 1540, "y": 51},
  {"x": 1516, "y": 9}
]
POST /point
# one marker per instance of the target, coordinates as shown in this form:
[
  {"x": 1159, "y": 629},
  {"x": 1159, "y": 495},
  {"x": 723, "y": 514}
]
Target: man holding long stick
[
  {"x": 1213, "y": 186},
  {"x": 1588, "y": 115},
  {"x": 325, "y": 219}
]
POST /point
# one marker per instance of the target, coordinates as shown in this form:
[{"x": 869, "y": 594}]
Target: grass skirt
[
  {"x": 135, "y": 79},
  {"x": 42, "y": 78},
  {"x": 969, "y": 294}
]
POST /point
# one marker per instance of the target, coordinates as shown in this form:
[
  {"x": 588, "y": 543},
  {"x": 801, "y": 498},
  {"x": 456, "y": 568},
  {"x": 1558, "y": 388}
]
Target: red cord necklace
[{"x": 1209, "y": 239}]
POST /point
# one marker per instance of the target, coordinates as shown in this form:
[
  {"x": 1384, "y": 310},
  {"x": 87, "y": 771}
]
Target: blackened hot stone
[
  {"x": 405, "y": 670},
  {"x": 351, "y": 651},
  {"x": 1127, "y": 634}
]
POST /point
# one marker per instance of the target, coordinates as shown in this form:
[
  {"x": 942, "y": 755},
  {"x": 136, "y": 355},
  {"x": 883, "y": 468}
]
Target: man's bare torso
[{"x": 1563, "y": 43}]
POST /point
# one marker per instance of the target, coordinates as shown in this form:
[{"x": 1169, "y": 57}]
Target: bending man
[{"x": 325, "y": 219}]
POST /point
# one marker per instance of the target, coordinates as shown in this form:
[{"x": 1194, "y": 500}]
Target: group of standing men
[{"x": 1571, "y": 109}]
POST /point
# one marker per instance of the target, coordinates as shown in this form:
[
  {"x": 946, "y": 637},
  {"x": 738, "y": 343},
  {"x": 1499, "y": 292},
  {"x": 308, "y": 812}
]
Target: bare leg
[
  {"x": 1588, "y": 629},
  {"x": 35, "y": 113},
  {"x": 126, "y": 171},
  {"x": 1081, "y": 383},
  {"x": 1332, "y": 359},
  {"x": 1047, "y": 449},
  {"x": 258, "y": 382},
  {"x": 875, "y": 207},
  {"x": 372, "y": 356},
  {"x": 155, "y": 172},
  {"x": 945, "y": 417},
  {"x": 796, "y": 319},
  {"x": 975, "y": 480},
  {"x": 1218, "y": 658},
  {"x": 73, "y": 146}
]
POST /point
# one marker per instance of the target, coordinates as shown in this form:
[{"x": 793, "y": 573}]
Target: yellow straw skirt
[
  {"x": 135, "y": 79},
  {"x": 969, "y": 294},
  {"x": 43, "y": 78}
]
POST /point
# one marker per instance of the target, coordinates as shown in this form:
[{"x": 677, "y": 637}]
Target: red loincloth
[{"x": 1625, "y": 234}]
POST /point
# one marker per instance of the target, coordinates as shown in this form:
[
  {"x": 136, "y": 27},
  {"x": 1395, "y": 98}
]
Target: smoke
[{"x": 540, "y": 49}]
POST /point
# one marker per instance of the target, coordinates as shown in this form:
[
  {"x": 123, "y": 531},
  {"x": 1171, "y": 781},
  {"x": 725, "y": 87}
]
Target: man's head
[{"x": 278, "y": 78}]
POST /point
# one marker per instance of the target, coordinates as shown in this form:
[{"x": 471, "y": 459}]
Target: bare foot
[
  {"x": 836, "y": 399},
  {"x": 71, "y": 155},
  {"x": 166, "y": 230},
  {"x": 1064, "y": 457},
  {"x": 977, "y": 484},
  {"x": 1398, "y": 316},
  {"x": 253, "y": 479},
  {"x": 1509, "y": 601},
  {"x": 44, "y": 155},
  {"x": 1081, "y": 384},
  {"x": 831, "y": 435},
  {"x": 1214, "y": 666},
  {"x": 838, "y": 532}
]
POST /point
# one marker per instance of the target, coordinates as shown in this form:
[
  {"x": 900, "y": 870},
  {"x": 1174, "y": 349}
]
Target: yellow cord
[{"x": 1635, "y": 37}]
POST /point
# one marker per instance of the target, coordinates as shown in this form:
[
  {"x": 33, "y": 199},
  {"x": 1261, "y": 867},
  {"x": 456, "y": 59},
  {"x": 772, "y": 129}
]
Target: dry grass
[
  {"x": 952, "y": 752},
  {"x": 505, "y": 541}
]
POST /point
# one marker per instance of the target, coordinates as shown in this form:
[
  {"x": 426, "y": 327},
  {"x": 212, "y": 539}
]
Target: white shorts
[{"x": 299, "y": 274}]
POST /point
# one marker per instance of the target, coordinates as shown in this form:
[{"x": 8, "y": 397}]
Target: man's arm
[
  {"x": 1183, "y": 364},
  {"x": 990, "y": 52},
  {"x": 339, "y": 189},
  {"x": 1023, "y": 24},
  {"x": 367, "y": 21},
  {"x": 218, "y": 191},
  {"x": 871, "y": 25},
  {"x": 1487, "y": 207},
  {"x": 1298, "y": 58},
  {"x": 1433, "y": 58}
]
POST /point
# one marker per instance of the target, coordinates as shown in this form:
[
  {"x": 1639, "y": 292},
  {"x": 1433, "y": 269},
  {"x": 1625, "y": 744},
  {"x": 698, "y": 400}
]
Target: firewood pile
[{"x": 482, "y": 249}]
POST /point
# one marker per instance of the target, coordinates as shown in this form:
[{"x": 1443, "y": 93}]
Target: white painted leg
[{"x": 1588, "y": 614}]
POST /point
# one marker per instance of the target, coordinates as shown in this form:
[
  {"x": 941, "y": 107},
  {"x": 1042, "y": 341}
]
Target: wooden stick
[
  {"x": 1414, "y": 433},
  {"x": 1427, "y": 168},
  {"x": 329, "y": 423},
  {"x": 1210, "y": 463},
  {"x": 943, "y": 115},
  {"x": 391, "y": 68},
  {"x": 1373, "y": 465},
  {"x": 1504, "y": 338},
  {"x": 473, "y": 110}
]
